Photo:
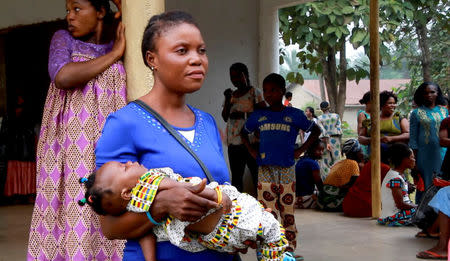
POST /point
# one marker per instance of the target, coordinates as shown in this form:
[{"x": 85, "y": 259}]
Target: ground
[{"x": 323, "y": 237}]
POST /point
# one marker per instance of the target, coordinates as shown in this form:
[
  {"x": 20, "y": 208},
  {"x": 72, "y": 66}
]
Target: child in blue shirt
[
  {"x": 307, "y": 174},
  {"x": 278, "y": 127}
]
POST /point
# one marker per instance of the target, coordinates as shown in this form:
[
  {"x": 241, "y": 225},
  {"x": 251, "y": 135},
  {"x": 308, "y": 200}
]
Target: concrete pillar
[
  {"x": 269, "y": 35},
  {"x": 135, "y": 16}
]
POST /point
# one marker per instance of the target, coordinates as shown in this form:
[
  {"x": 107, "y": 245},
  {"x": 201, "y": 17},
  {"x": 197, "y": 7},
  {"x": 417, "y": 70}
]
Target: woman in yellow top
[
  {"x": 341, "y": 177},
  {"x": 393, "y": 126}
]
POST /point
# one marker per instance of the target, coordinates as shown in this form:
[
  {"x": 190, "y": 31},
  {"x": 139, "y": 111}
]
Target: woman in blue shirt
[{"x": 173, "y": 48}]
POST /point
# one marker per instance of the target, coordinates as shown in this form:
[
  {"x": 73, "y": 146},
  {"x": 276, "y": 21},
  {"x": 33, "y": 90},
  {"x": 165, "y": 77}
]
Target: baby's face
[{"x": 119, "y": 178}]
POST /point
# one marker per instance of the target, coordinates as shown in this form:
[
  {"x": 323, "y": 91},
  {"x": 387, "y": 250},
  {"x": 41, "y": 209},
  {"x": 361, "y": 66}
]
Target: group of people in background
[
  {"x": 413, "y": 154},
  {"x": 87, "y": 124}
]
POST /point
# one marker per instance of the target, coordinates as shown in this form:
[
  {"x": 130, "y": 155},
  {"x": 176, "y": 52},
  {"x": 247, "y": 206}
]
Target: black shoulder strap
[{"x": 175, "y": 134}]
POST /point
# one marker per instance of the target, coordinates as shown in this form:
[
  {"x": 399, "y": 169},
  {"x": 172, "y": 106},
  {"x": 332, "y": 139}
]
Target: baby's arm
[{"x": 148, "y": 245}]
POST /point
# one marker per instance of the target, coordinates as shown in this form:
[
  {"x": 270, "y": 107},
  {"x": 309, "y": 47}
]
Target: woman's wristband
[{"x": 152, "y": 220}]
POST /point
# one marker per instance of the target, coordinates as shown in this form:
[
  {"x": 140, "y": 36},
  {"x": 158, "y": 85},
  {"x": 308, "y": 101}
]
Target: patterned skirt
[
  {"x": 71, "y": 125},
  {"x": 399, "y": 219}
]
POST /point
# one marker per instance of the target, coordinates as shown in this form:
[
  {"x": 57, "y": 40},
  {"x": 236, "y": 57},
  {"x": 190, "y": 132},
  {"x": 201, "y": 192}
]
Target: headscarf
[{"x": 351, "y": 146}]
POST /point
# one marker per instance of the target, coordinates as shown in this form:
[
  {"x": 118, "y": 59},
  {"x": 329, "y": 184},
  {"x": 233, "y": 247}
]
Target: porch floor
[{"x": 322, "y": 237}]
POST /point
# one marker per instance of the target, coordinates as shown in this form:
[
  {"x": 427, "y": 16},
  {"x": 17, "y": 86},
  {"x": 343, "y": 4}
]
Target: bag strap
[{"x": 176, "y": 135}]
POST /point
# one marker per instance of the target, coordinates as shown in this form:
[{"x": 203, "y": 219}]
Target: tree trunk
[
  {"x": 329, "y": 74},
  {"x": 340, "y": 106},
  {"x": 422, "y": 33},
  {"x": 323, "y": 97}
]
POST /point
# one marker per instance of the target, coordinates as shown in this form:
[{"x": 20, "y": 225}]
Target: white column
[
  {"x": 268, "y": 35},
  {"x": 135, "y": 16}
]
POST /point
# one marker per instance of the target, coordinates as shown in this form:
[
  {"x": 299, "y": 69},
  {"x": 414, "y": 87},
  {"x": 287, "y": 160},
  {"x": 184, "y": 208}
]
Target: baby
[{"x": 117, "y": 187}]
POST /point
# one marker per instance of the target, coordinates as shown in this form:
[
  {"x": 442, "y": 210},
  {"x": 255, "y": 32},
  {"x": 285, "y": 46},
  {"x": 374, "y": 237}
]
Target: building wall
[
  {"x": 24, "y": 12},
  {"x": 230, "y": 30},
  {"x": 301, "y": 97},
  {"x": 351, "y": 117}
]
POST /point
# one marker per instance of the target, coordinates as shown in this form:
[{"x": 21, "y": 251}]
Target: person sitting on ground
[
  {"x": 441, "y": 204},
  {"x": 307, "y": 174},
  {"x": 397, "y": 207},
  {"x": 341, "y": 177},
  {"x": 358, "y": 201},
  {"x": 112, "y": 190},
  {"x": 288, "y": 99}
]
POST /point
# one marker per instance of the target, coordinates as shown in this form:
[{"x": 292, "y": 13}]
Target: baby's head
[{"x": 108, "y": 189}]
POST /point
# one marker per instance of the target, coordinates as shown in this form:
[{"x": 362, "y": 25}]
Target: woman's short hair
[
  {"x": 159, "y": 24},
  {"x": 324, "y": 105},
  {"x": 99, "y": 4},
  {"x": 241, "y": 68},
  {"x": 288, "y": 95},
  {"x": 365, "y": 99},
  {"x": 418, "y": 95},
  {"x": 311, "y": 109},
  {"x": 397, "y": 152},
  {"x": 384, "y": 97}
]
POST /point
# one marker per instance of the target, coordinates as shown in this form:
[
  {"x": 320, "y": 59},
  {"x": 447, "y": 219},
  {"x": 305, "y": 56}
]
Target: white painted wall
[
  {"x": 23, "y": 12},
  {"x": 230, "y": 30}
]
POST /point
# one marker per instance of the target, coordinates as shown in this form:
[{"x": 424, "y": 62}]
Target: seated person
[
  {"x": 358, "y": 201},
  {"x": 307, "y": 174},
  {"x": 341, "y": 177},
  {"x": 397, "y": 207},
  {"x": 116, "y": 188},
  {"x": 441, "y": 204}
]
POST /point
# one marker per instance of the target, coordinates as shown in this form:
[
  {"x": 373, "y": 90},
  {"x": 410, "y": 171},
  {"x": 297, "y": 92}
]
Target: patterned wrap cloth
[
  {"x": 330, "y": 125},
  {"x": 246, "y": 221}
]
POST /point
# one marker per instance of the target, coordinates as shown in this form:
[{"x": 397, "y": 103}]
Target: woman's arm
[
  {"x": 227, "y": 104},
  {"x": 77, "y": 74},
  {"x": 350, "y": 182},
  {"x": 187, "y": 203},
  {"x": 315, "y": 133},
  {"x": 363, "y": 137},
  {"x": 361, "y": 118},
  {"x": 317, "y": 179},
  {"x": 444, "y": 140}
]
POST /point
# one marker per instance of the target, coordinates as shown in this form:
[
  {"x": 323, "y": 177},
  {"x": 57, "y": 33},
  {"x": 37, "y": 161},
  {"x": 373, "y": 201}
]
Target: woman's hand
[
  {"x": 118, "y": 48},
  {"x": 184, "y": 203},
  {"x": 329, "y": 147},
  {"x": 386, "y": 139},
  {"x": 253, "y": 152},
  {"x": 118, "y": 3}
]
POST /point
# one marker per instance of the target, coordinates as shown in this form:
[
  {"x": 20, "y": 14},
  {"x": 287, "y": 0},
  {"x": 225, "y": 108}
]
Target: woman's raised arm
[{"x": 77, "y": 74}]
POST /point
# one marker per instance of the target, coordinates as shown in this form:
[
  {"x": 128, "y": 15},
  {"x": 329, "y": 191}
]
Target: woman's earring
[{"x": 152, "y": 68}]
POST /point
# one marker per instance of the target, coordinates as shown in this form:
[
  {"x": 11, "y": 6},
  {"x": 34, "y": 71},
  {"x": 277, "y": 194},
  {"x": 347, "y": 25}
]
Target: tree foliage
[{"x": 411, "y": 30}]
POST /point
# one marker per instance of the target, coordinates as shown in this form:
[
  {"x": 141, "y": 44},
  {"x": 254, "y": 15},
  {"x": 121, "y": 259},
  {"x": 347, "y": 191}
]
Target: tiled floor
[{"x": 323, "y": 237}]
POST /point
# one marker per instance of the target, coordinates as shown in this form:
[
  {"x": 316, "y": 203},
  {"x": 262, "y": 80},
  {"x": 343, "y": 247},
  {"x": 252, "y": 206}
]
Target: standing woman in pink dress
[{"x": 87, "y": 83}]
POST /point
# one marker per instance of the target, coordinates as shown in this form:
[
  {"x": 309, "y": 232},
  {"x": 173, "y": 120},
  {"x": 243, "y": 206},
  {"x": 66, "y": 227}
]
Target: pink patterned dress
[{"x": 71, "y": 125}]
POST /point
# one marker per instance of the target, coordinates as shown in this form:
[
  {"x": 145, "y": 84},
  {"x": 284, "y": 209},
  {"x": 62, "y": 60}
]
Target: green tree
[{"x": 321, "y": 29}]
